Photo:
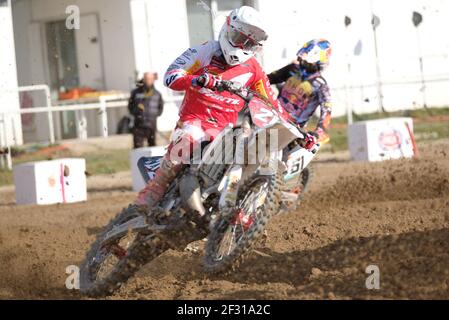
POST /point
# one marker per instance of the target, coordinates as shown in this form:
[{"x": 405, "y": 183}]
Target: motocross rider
[
  {"x": 305, "y": 88},
  {"x": 204, "y": 112}
]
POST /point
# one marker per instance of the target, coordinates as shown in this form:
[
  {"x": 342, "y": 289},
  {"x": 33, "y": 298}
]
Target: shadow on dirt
[
  {"x": 332, "y": 160},
  {"x": 29, "y": 277},
  {"x": 7, "y": 204},
  {"x": 412, "y": 265},
  {"x": 110, "y": 189}
]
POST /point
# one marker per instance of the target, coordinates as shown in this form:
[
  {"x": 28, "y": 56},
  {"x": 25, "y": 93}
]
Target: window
[
  {"x": 63, "y": 68},
  {"x": 4, "y": 3},
  {"x": 62, "y": 60}
]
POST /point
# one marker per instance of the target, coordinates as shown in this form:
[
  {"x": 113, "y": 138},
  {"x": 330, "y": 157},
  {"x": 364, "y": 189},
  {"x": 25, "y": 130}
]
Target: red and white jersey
[{"x": 213, "y": 109}]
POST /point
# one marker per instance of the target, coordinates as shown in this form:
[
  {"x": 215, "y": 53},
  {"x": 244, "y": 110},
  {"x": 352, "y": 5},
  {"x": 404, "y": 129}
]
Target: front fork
[
  {"x": 245, "y": 162},
  {"x": 229, "y": 185},
  {"x": 232, "y": 180}
]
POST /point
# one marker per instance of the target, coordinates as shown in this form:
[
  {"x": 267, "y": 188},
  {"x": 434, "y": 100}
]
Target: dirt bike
[{"x": 237, "y": 185}]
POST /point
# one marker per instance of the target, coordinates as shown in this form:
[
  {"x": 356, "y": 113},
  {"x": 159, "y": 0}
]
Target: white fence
[{"x": 101, "y": 104}]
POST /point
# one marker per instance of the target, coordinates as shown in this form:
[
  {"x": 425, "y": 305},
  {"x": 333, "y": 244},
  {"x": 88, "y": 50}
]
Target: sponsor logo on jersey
[
  {"x": 260, "y": 88},
  {"x": 210, "y": 94},
  {"x": 189, "y": 53},
  {"x": 171, "y": 78},
  {"x": 195, "y": 67},
  {"x": 180, "y": 61}
]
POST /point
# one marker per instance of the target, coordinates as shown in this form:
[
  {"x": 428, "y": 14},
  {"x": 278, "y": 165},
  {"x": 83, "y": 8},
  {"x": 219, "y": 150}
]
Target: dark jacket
[{"x": 145, "y": 104}]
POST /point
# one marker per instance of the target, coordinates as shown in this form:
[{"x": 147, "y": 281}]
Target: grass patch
[
  {"x": 99, "y": 162},
  {"x": 422, "y": 114},
  {"x": 427, "y": 126},
  {"x": 339, "y": 140},
  {"x": 5, "y": 177},
  {"x": 107, "y": 162},
  {"x": 425, "y": 131}
]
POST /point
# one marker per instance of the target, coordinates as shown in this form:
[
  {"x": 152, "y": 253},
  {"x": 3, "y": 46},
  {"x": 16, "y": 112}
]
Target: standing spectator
[{"x": 145, "y": 104}]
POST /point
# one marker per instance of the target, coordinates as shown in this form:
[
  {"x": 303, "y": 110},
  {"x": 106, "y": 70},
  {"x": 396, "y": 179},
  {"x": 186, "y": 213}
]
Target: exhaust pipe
[{"x": 190, "y": 191}]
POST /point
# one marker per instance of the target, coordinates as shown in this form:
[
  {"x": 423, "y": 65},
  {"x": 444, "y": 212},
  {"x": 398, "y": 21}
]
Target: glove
[
  {"x": 206, "y": 80},
  {"x": 321, "y": 135},
  {"x": 309, "y": 141}
]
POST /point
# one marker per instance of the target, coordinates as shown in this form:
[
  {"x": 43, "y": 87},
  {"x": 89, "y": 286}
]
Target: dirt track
[{"x": 393, "y": 214}]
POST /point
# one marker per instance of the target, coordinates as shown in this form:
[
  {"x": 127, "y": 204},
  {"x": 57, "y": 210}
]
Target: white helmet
[{"x": 241, "y": 35}]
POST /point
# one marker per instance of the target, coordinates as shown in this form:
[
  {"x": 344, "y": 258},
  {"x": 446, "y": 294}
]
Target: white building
[
  {"x": 9, "y": 98},
  {"x": 118, "y": 39}
]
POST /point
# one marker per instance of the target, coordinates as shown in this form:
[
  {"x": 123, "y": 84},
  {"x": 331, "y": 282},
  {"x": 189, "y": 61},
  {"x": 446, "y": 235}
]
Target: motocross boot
[{"x": 156, "y": 188}]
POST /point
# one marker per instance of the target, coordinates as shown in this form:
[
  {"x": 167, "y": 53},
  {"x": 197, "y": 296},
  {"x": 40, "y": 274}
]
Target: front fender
[{"x": 271, "y": 167}]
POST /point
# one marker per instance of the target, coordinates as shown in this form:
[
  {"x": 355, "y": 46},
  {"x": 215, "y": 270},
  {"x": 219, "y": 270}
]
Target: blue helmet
[{"x": 314, "y": 56}]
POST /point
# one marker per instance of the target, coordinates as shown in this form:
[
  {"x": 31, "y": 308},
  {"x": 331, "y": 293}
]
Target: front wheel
[
  {"x": 108, "y": 266},
  {"x": 233, "y": 234}
]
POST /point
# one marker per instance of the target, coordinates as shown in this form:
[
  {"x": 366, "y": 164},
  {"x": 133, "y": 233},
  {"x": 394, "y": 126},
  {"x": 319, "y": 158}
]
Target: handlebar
[
  {"x": 234, "y": 88},
  {"x": 247, "y": 94}
]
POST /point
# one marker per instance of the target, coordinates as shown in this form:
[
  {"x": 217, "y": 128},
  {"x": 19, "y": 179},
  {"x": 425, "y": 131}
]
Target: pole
[
  {"x": 375, "y": 23},
  {"x": 2, "y": 143},
  {"x": 6, "y": 146},
  {"x": 103, "y": 117},
  {"x": 8, "y": 158},
  {"x": 51, "y": 128},
  {"x": 348, "y": 103},
  {"x": 379, "y": 83},
  {"x": 423, "y": 83},
  {"x": 421, "y": 67},
  {"x": 81, "y": 124}
]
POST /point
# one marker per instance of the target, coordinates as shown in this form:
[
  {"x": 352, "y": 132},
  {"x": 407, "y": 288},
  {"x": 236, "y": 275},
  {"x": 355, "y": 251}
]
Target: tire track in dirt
[{"x": 393, "y": 214}]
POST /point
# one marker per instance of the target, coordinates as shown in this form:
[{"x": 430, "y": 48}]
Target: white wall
[
  {"x": 294, "y": 22},
  {"x": 115, "y": 42},
  {"x": 140, "y": 35},
  {"x": 115, "y": 37},
  {"x": 150, "y": 40},
  {"x": 11, "y": 132},
  {"x": 160, "y": 34}
]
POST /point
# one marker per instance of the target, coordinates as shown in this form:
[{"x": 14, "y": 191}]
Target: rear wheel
[
  {"x": 304, "y": 181},
  {"x": 234, "y": 233},
  {"x": 296, "y": 189}
]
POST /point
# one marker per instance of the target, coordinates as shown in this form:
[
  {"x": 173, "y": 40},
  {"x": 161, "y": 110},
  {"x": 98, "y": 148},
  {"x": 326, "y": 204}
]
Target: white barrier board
[
  {"x": 49, "y": 182},
  {"x": 383, "y": 139},
  {"x": 134, "y": 156}
]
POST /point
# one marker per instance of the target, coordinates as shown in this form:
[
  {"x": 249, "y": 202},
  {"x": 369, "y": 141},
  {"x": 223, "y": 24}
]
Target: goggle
[
  {"x": 321, "y": 44},
  {"x": 240, "y": 40},
  {"x": 309, "y": 67}
]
